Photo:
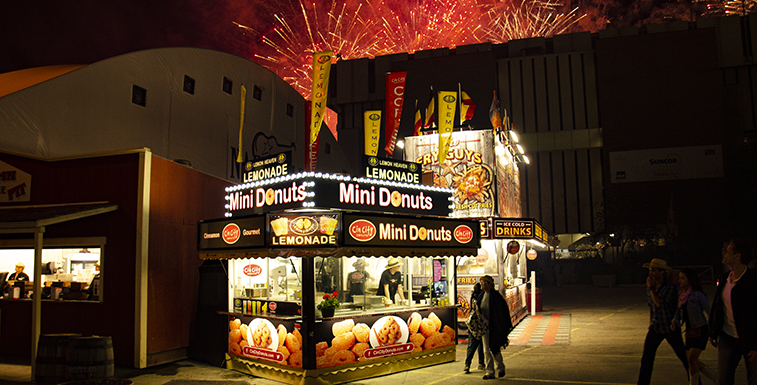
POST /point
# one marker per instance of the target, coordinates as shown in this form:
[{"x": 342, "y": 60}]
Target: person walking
[
  {"x": 733, "y": 324},
  {"x": 474, "y": 344},
  {"x": 494, "y": 309},
  {"x": 662, "y": 298},
  {"x": 692, "y": 307}
]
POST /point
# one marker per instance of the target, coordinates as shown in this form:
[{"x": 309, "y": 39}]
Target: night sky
[{"x": 87, "y": 31}]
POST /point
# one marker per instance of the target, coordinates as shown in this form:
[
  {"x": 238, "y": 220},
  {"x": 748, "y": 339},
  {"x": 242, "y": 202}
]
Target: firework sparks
[
  {"x": 513, "y": 20},
  {"x": 368, "y": 28}
]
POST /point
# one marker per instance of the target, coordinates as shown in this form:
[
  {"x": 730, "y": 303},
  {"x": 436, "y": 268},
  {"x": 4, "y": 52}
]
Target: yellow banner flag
[
  {"x": 321, "y": 69},
  {"x": 446, "y": 118},
  {"x": 241, "y": 124},
  {"x": 372, "y": 121}
]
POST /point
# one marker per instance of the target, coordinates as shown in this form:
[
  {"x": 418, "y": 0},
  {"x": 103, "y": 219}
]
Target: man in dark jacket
[
  {"x": 494, "y": 308},
  {"x": 733, "y": 317}
]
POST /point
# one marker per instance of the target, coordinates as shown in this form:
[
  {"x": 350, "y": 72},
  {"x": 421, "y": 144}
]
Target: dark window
[
  {"x": 290, "y": 110},
  {"x": 371, "y": 77},
  {"x": 139, "y": 96},
  {"x": 257, "y": 93},
  {"x": 227, "y": 84},
  {"x": 189, "y": 85}
]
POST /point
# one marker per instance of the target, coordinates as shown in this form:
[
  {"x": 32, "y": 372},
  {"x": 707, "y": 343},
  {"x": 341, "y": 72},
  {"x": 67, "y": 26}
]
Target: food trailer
[
  {"x": 482, "y": 169},
  {"x": 294, "y": 239}
]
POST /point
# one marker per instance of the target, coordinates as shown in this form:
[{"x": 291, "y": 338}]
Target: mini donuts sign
[{"x": 401, "y": 231}]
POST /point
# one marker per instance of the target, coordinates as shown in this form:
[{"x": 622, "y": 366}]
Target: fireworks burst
[
  {"x": 368, "y": 28},
  {"x": 513, "y": 20}
]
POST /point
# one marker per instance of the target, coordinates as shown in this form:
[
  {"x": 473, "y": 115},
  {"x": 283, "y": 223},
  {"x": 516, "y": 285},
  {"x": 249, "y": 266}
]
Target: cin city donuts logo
[
  {"x": 413, "y": 167},
  {"x": 231, "y": 233},
  {"x": 282, "y": 158},
  {"x": 252, "y": 270},
  {"x": 463, "y": 234},
  {"x": 373, "y": 161},
  {"x": 362, "y": 230}
]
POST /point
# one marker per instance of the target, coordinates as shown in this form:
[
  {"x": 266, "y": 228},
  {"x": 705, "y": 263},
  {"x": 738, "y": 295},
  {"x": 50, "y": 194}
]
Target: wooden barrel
[
  {"x": 51, "y": 357},
  {"x": 89, "y": 357}
]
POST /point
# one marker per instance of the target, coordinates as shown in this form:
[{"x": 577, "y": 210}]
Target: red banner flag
[
  {"x": 395, "y": 97},
  {"x": 418, "y": 123},
  {"x": 466, "y": 107}
]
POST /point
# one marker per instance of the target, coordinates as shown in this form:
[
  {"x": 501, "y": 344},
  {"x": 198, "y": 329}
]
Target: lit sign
[
  {"x": 391, "y": 170},
  {"x": 304, "y": 229},
  {"x": 336, "y": 192},
  {"x": 267, "y": 168},
  {"x": 409, "y": 231},
  {"x": 228, "y": 234},
  {"x": 519, "y": 229}
]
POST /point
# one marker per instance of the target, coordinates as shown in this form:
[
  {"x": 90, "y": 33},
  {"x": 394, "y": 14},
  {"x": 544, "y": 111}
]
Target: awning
[
  {"x": 339, "y": 252},
  {"x": 29, "y": 217}
]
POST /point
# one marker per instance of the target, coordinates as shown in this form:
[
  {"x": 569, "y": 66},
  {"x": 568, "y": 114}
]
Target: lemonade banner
[
  {"x": 447, "y": 106},
  {"x": 320, "y": 88},
  {"x": 372, "y": 123}
]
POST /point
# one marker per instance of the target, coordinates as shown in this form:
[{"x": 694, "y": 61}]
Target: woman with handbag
[
  {"x": 692, "y": 307},
  {"x": 474, "y": 341},
  {"x": 495, "y": 310}
]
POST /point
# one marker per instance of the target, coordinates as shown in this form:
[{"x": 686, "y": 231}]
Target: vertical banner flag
[
  {"x": 466, "y": 106},
  {"x": 395, "y": 97},
  {"x": 321, "y": 69},
  {"x": 372, "y": 121},
  {"x": 241, "y": 123},
  {"x": 447, "y": 106},
  {"x": 418, "y": 126},
  {"x": 495, "y": 116},
  {"x": 311, "y": 148},
  {"x": 429, "y": 122}
]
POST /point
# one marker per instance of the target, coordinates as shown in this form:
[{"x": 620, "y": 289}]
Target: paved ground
[{"x": 605, "y": 326}]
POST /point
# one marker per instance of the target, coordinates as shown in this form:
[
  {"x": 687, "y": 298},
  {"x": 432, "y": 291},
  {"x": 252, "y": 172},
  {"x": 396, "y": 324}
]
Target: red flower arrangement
[{"x": 329, "y": 301}]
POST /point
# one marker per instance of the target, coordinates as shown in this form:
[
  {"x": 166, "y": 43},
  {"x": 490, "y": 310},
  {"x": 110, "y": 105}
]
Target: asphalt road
[{"x": 608, "y": 325}]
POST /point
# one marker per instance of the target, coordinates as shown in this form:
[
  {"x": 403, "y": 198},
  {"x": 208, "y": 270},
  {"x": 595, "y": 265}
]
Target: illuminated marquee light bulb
[
  {"x": 520, "y": 148},
  {"x": 513, "y": 136},
  {"x": 525, "y": 158}
]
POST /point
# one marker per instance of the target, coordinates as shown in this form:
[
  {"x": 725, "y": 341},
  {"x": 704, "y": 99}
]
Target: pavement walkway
[{"x": 584, "y": 335}]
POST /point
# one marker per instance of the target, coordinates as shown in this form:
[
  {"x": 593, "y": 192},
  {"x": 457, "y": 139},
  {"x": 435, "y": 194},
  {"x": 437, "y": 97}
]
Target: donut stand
[{"x": 290, "y": 241}]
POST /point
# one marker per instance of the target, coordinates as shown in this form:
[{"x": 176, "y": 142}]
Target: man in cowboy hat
[
  {"x": 357, "y": 278},
  {"x": 662, "y": 298},
  {"x": 391, "y": 280}
]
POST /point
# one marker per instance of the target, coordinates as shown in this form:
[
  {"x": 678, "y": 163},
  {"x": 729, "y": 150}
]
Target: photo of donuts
[
  {"x": 353, "y": 338},
  {"x": 261, "y": 334},
  {"x": 389, "y": 330}
]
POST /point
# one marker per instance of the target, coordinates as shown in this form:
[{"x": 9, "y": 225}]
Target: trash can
[{"x": 538, "y": 299}]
